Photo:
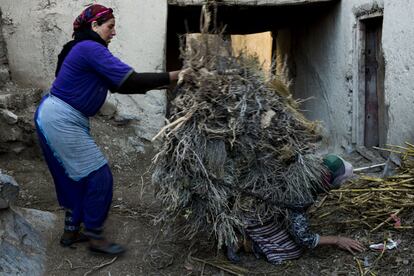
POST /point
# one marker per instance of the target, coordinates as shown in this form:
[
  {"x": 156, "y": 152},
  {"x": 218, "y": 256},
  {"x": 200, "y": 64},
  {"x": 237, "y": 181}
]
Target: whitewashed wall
[
  {"x": 36, "y": 30},
  {"x": 398, "y": 44},
  {"x": 325, "y": 57},
  {"x": 328, "y": 68}
]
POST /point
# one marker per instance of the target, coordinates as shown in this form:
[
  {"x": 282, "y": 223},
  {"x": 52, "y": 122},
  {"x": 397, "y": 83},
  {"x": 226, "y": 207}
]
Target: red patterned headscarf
[{"x": 92, "y": 13}]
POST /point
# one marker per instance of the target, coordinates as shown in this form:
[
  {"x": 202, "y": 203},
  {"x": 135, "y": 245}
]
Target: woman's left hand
[
  {"x": 344, "y": 243},
  {"x": 349, "y": 245}
]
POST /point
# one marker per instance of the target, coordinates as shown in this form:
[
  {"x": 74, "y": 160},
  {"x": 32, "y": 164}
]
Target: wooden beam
[{"x": 248, "y": 2}]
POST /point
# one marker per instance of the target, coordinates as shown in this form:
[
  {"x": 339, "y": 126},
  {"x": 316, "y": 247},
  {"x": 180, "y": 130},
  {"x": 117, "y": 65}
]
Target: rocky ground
[{"x": 149, "y": 251}]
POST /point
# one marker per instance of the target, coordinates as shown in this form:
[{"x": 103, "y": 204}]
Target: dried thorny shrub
[{"x": 236, "y": 149}]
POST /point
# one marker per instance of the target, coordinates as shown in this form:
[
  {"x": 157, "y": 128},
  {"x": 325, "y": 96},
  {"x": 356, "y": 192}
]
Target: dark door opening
[
  {"x": 283, "y": 23},
  {"x": 238, "y": 19},
  {"x": 374, "y": 128}
]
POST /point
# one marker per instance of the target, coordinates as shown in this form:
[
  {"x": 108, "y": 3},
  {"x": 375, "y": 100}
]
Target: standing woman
[{"x": 86, "y": 70}]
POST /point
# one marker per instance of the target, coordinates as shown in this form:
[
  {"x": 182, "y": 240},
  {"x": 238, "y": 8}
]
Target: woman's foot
[
  {"x": 69, "y": 238},
  {"x": 103, "y": 246},
  {"x": 231, "y": 253}
]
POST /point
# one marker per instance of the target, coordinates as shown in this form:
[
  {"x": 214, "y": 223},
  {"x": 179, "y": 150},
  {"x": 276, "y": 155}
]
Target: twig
[
  {"x": 321, "y": 202},
  {"x": 372, "y": 190},
  {"x": 369, "y": 167},
  {"x": 361, "y": 271},
  {"x": 240, "y": 270},
  {"x": 100, "y": 266},
  {"x": 176, "y": 122},
  {"x": 202, "y": 269},
  {"x": 387, "y": 220},
  {"x": 71, "y": 265},
  {"x": 390, "y": 150}
]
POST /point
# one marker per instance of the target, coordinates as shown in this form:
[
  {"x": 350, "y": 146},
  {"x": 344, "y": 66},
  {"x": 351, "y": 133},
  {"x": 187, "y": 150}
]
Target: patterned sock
[{"x": 69, "y": 225}]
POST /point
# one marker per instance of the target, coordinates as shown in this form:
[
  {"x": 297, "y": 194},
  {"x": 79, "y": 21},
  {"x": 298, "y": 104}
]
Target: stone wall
[
  {"x": 17, "y": 107},
  {"x": 4, "y": 68}
]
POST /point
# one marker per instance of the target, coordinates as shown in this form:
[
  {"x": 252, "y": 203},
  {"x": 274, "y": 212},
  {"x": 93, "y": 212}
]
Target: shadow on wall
[{"x": 320, "y": 76}]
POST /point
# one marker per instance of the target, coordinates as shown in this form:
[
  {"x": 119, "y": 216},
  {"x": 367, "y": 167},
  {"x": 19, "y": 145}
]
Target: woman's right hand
[
  {"x": 184, "y": 75},
  {"x": 350, "y": 245},
  {"x": 174, "y": 75}
]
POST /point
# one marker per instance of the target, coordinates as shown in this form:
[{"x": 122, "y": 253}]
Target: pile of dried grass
[
  {"x": 235, "y": 148},
  {"x": 374, "y": 203}
]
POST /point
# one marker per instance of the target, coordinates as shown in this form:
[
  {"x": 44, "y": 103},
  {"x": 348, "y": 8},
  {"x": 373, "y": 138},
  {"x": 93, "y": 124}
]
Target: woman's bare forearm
[
  {"x": 328, "y": 240},
  {"x": 343, "y": 243}
]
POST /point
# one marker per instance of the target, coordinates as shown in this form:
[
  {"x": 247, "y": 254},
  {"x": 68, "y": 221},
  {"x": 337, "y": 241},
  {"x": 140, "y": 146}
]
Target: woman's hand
[
  {"x": 344, "y": 243},
  {"x": 174, "y": 75},
  {"x": 181, "y": 75},
  {"x": 349, "y": 244},
  {"x": 184, "y": 75}
]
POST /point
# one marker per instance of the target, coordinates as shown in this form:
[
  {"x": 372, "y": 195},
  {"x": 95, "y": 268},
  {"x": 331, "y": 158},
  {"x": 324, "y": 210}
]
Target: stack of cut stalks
[
  {"x": 235, "y": 150},
  {"x": 371, "y": 202}
]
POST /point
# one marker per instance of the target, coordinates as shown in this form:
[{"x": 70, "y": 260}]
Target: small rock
[
  {"x": 124, "y": 119},
  {"x": 9, "y": 190},
  {"x": 9, "y": 117},
  {"x": 18, "y": 149},
  {"x": 108, "y": 109},
  {"x": 405, "y": 262},
  {"x": 5, "y": 99},
  {"x": 4, "y": 75}
]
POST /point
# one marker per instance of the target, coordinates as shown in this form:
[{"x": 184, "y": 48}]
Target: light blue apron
[{"x": 68, "y": 135}]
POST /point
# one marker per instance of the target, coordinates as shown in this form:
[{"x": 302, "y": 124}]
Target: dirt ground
[{"x": 152, "y": 253}]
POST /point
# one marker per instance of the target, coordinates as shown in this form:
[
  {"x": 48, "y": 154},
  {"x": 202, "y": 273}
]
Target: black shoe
[
  {"x": 112, "y": 249},
  {"x": 77, "y": 237}
]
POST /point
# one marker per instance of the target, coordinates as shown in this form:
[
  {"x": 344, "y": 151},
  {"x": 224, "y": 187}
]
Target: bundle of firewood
[{"x": 235, "y": 148}]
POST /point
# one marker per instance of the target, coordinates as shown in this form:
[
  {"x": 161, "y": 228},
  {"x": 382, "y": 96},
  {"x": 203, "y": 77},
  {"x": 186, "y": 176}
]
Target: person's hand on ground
[{"x": 349, "y": 245}]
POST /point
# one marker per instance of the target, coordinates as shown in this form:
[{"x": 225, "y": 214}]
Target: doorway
[{"x": 373, "y": 83}]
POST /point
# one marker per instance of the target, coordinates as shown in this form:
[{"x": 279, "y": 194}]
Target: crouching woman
[{"x": 286, "y": 237}]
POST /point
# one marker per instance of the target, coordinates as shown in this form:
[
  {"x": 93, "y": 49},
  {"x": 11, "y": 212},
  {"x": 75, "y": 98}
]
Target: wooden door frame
[{"x": 358, "y": 100}]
